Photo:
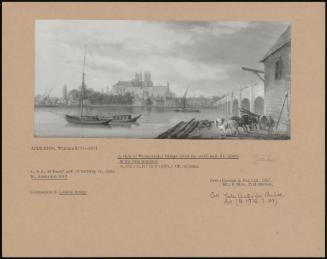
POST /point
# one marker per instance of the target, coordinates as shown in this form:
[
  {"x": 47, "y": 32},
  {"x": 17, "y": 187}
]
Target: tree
[
  {"x": 96, "y": 97},
  {"x": 149, "y": 102},
  {"x": 74, "y": 95}
]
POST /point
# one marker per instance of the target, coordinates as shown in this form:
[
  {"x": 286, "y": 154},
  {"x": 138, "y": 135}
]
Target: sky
[{"x": 204, "y": 56}]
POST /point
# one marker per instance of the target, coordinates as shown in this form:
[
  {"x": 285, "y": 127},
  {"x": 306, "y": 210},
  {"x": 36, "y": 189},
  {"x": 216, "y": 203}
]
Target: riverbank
[
  {"x": 117, "y": 105},
  {"x": 204, "y": 129}
]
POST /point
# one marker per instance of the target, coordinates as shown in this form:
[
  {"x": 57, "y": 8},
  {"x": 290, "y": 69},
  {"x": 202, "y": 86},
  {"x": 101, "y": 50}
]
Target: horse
[
  {"x": 254, "y": 122},
  {"x": 242, "y": 122},
  {"x": 266, "y": 122},
  {"x": 246, "y": 121},
  {"x": 224, "y": 125}
]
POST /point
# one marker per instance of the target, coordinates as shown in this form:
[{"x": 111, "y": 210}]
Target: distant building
[
  {"x": 73, "y": 102},
  {"x": 147, "y": 76},
  {"x": 65, "y": 94},
  {"x": 107, "y": 89},
  {"x": 277, "y": 63},
  {"x": 142, "y": 87}
]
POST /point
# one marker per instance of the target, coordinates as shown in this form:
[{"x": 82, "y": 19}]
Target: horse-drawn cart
[{"x": 265, "y": 122}]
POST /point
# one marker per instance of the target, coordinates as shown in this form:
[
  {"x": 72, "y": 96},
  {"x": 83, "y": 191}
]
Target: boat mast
[
  {"x": 184, "y": 99},
  {"x": 83, "y": 84}
]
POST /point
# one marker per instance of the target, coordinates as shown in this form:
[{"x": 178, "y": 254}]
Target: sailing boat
[
  {"x": 184, "y": 108},
  {"x": 85, "y": 119}
]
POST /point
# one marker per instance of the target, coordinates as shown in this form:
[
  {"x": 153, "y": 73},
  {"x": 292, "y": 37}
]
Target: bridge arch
[
  {"x": 259, "y": 105},
  {"x": 235, "y": 108},
  {"x": 228, "y": 109},
  {"x": 246, "y": 104},
  {"x": 219, "y": 109}
]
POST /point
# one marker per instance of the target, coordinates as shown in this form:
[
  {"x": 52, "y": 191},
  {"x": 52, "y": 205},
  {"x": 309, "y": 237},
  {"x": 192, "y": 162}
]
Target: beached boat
[{"x": 184, "y": 108}]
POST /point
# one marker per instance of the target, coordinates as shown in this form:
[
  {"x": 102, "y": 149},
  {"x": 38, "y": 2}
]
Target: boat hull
[
  {"x": 131, "y": 120},
  {"x": 87, "y": 120}
]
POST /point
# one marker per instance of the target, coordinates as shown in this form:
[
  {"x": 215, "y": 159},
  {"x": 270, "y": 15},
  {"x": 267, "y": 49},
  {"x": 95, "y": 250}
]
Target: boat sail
[
  {"x": 184, "y": 108},
  {"x": 82, "y": 118}
]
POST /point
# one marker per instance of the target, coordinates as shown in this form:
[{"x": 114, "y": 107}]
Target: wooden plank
[
  {"x": 176, "y": 133},
  {"x": 184, "y": 129},
  {"x": 171, "y": 130},
  {"x": 190, "y": 129}
]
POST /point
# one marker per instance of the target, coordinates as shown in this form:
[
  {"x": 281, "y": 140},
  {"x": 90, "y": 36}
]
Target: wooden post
[{"x": 281, "y": 110}]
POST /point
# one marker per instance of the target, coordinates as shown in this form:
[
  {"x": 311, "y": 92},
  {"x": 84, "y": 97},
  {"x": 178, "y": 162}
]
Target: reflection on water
[
  {"x": 111, "y": 125},
  {"x": 50, "y": 122},
  {"x": 123, "y": 125}
]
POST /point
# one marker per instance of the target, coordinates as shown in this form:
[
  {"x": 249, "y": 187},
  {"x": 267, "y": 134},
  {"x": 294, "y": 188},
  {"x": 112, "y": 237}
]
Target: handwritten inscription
[
  {"x": 264, "y": 159},
  {"x": 247, "y": 198},
  {"x": 245, "y": 191}
]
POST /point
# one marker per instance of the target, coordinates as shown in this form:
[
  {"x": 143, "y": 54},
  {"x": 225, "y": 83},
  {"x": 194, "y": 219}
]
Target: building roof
[
  {"x": 124, "y": 83},
  {"x": 283, "y": 39}
]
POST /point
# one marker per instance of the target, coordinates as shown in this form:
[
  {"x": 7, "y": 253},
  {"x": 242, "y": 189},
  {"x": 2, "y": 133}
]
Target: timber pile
[{"x": 183, "y": 129}]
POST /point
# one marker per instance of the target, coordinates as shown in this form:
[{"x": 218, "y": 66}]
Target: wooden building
[{"x": 277, "y": 64}]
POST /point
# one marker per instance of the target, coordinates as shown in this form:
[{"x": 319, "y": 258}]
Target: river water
[{"x": 51, "y": 122}]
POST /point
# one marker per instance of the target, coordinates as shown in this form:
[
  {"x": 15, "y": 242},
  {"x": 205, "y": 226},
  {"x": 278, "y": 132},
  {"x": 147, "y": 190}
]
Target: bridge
[{"x": 248, "y": 97}]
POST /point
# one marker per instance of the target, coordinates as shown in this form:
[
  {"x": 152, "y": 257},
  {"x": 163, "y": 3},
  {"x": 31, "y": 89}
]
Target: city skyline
[{"x": 205, "y": 57}]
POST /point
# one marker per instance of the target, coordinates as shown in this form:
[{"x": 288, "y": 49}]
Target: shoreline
[
  {"x": 118, "y": 105},
  {"x": 204, "y": 129}
]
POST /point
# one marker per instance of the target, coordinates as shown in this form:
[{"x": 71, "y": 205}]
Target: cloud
[
  {"x": 203, "y": 55},
  {"x": 210, "y": 27}
]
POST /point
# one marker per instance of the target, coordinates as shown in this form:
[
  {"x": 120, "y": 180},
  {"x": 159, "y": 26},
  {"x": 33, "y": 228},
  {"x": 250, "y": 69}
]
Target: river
[{"x": 50, "y": 122}]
